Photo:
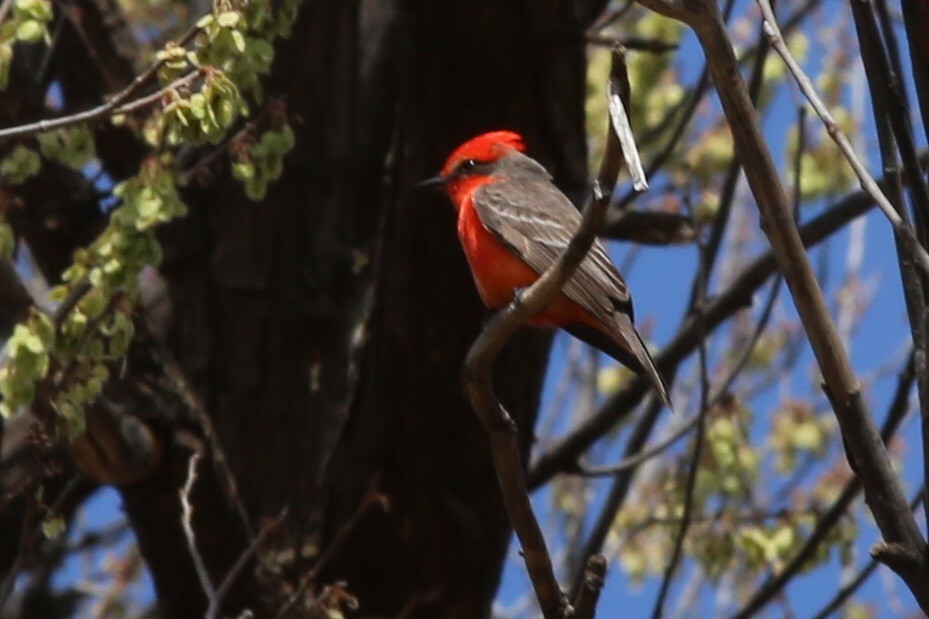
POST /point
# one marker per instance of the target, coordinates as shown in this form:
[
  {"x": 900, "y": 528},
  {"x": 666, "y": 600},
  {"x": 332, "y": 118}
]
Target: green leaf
[
  {"x": 244, "y": 170},
  {"x": 228, "y": 19},
  {"x": 6, "y": 63},
  {"x": 53, "y": 526},
  {"x": 30, "y": 31},
  {"x": 7, "y": 240},
  {"x": 19, "y": 165},
  {"x": 43, "y": 328},
  {"x": 238, "y": 40}
]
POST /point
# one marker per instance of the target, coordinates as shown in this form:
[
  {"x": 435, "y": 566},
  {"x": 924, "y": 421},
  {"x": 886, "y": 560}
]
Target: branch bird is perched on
[{"x": 513, "y": 224}]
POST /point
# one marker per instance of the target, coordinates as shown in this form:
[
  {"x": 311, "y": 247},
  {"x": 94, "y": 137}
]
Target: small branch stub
[{"x": 594, "y": 574}]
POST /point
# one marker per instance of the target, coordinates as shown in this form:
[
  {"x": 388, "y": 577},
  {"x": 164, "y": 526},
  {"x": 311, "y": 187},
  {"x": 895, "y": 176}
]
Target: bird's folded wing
[{"x": 537, "y": 222}]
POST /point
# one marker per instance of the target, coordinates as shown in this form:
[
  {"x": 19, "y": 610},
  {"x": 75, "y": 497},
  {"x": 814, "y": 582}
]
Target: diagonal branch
[
  {"x": 903, "y": 231},
  {"x": 586, "y": 605},
  {"x": 119, "y": 102},
  {"x": 564, "y": 456},
  {"x": 847, "y": 591},
  {"x": 774, "y": 585},
  {"x": 891, "y": 118},
  {"x": 904, "y": 550},
  {"x": 215, "y": 595},
  {"x": 691, "y": 482},
  {"x": 501, "y": 427}
]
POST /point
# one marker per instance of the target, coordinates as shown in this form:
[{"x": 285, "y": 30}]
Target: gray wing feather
[{"x": 537, "y": 222}]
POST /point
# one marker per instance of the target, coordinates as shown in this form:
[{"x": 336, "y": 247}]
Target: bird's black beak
[{"x": 435, "y": 181}]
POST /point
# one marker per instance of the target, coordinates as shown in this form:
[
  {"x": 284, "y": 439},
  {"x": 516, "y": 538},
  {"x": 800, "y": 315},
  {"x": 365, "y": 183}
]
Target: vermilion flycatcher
[{"x": 514, "y": 224}]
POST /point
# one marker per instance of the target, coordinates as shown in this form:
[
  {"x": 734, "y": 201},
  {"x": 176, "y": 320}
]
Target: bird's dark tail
[{"x": 634, "y": 355}]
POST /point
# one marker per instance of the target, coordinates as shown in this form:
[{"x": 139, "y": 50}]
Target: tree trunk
[{"x": 323, "y": 329}]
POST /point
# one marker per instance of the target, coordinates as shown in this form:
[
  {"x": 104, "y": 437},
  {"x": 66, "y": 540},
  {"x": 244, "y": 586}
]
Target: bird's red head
[{"x": 485, "y": 148}]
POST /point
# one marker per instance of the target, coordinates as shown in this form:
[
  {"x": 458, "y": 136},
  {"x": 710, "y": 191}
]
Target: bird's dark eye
[{"x": 466, "y": 166}]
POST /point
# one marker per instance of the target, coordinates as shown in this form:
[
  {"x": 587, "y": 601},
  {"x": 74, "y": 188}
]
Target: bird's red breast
[{"x": 496, "y": 270}]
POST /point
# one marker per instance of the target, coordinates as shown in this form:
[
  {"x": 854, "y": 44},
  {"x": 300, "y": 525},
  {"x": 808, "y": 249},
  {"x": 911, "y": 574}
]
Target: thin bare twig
[
  {"x": 698, "y": 309},
  {"x": 101, "y": 111},
  {"x": 847, "y": 591},
  {"x": 214, "y": 596},
  {"x": 187, "y": 512},
  {"x": 774, "y": 585},
  {"x": 240, "y": 563},
  {"x": 734, "y": 170},
  {"x": 563, "y": 456},
  {"x": 159, "y": 94},
  {"x": 370, "y": 500},
  {"x": 909, "y": 241},
  {"x": 634, "y": 461},
  {"x": 176, "y": 382},
  {"x": 905, "y": 547}
]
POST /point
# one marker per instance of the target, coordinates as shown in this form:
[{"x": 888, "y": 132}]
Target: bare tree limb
[
  {"x": 891, "y": 118},
  {"x": 883, "y": 491},
  {"x": 734, "y": 171},
  {"x": 563, "y": 456},
  {"x": 500, "y": 426},
  {"x": 774, "y": 585},
  {"x": 226, "y": 585},
  {"x": 187, "y": 512},
  {"x": 909, "y": 241},
  {"x": 586, "y": 605},
  {"x": 101, "y": 111},
  {"x": 847, "y": 591},
  {"x": 215, "y": 596},
  {"x": 648, "y": 227},
  {"x": 634, "y": 461}
]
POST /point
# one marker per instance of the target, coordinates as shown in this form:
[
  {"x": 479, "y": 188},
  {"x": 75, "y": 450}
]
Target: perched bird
[{"x": 513, "y": 224}]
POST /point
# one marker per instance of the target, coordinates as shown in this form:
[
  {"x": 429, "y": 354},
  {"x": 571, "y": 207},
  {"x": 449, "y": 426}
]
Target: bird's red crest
[{"x": 484, "y": 148}]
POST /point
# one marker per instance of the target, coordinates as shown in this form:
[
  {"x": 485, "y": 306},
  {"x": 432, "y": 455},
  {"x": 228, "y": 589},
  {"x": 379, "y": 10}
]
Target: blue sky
[{"x": 660, "y": 283}]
